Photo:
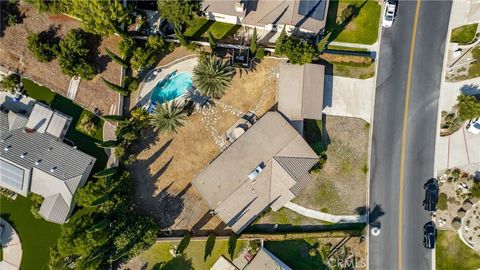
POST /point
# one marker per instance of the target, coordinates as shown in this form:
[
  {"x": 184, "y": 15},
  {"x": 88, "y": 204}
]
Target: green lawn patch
[
  {"x": 353, "y": 71},
  {"x": 363, "y": 29},
  {"x": 452, "y": 253},
  {"x": 464, "y": 34},
  {"x": 219, "y": 30},
  {"x": 37, "y": 235},
  {"x": 295, "y": 253},
  {"x": 85, "y": 142},
  {"x": 158, "y": 256}
]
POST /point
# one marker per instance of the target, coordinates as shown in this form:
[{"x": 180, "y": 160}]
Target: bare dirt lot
[
  {"x": 340, "y": 186},
  {"x": 166, "y": 164},
  {"x": 15, "y": 56}
]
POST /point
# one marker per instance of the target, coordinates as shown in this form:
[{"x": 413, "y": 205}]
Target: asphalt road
[{"x": 389, "y": 209}]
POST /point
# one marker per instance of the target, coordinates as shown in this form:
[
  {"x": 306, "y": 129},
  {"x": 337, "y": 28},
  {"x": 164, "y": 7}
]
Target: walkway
[
  {"x": 11, "y": 246},
  {"x": 73, "y": 87},
  {"x": 325, "y": 216},
  {"x": 372, "y": 47}
]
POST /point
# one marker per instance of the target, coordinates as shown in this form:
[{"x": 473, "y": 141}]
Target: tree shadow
[
  {"x": 9, "y": 15},
  {"x": 177, "y": 263},
  {"x": 374, "y": 214},
  {"x": 297, "y": 253},
  {"x": 471, "y": 90}
]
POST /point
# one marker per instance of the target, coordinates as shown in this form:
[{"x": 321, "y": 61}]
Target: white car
[
  {"x": 389, "y": 14},
  {"x": 474, "y": 126}
]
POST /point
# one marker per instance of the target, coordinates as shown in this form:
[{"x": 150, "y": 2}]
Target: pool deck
[{"x": 151, "y": 80}]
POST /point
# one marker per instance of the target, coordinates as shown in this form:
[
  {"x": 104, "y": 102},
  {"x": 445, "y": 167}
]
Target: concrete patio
[{"x": 11, "y": 246}]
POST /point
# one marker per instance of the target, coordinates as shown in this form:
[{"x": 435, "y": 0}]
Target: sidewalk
[
  {"x": 374, "y": 47},
  {"x": 11, "y": 246},
  {"x": 325, "y": 216}
]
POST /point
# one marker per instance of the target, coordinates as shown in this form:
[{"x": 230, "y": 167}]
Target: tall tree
[
  {"x": 280, "y": 41},
  {"x": 100, "y": 16},
  {"x": 468, "y": 107},
  {"x": 212, "y": 76},
  {"x": 179, "y": 12},
  {"x": 74, "y": 54},
  {"x": 168, "y": 117}
]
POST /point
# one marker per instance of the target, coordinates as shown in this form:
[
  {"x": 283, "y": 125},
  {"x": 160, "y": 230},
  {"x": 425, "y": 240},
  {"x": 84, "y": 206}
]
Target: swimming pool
[{"x": 171, "y": 88}]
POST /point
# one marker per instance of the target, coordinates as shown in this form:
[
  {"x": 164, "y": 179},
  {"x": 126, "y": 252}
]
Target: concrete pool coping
[{"x": 157, "y": 74}]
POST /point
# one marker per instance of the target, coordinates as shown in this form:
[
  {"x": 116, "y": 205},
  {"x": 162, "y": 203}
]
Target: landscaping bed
[
  {"x": 159, "y": 257},
  {"x": 15, "y": 56},
  {"x": 450, "y": 122},
  {"x": 340, "y": 186},
  {"x": 37, "y": 235},
  {"x": 363, "y": 29}
]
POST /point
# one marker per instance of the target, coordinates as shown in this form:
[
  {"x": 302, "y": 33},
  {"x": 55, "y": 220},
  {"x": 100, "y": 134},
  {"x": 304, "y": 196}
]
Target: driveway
[
  {"x": 11, "y": 246},
  {"x": 457, "y": 150},
  {"x": 349, "y": 97}
]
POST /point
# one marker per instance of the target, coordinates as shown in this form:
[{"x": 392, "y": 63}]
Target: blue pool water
[{"x": 171, "y": 88}]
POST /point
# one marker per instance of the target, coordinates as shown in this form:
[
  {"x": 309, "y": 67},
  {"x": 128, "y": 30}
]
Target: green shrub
[
  {"x": 9, "y": 82},
  {"x": 468, "y": 107},
  {"x": 89, "y": 124},
  {"x": 43, "y": 46},
  {"x": 442, "y": 201},
  {"x": 260, "y": 54},
  {"x": 107, "y": 172},
  {"x": 131, "y": 83},
  {"x": 126, "y": 47},
  {"x": 253, "y": 43},
  {"x": 299, "y": 51},
  {"x": 73, "y": 56},
  {"x": 475, "y": 190},
  {"x": 37, "y": 201}
]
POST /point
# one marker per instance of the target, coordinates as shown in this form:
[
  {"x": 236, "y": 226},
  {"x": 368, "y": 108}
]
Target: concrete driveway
[
  {"x": 349, "y": 97},
  {"x": 457, "y": 150},
  {"x": 11, "y": 246}
]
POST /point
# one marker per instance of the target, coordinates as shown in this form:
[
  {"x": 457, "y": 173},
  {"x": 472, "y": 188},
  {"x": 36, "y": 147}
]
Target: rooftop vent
[
  {"x": 53, "y": 168},
  {"x": 37, "y": 162},
  {"x": 7, "y": 148},
  {"x": 23, "y": 155}
]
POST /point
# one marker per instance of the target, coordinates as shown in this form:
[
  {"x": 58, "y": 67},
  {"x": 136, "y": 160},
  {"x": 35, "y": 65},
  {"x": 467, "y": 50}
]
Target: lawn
[
  {"x": 159, "y": 254},
  {"x": 295, "y": 253},
  {"x": 363, "y": 29},
  {"x": 85, "y": 142},
  {"x": 202, "y": 26},
  {"x": 287, "y": 216},
  {"x": 344, "y": 48},
  {"x": 351, "y": 71},
  {"x": 452, "y": 253},
  {"x": 37, "y": 235},
  {"x": 464, "y": 34}
]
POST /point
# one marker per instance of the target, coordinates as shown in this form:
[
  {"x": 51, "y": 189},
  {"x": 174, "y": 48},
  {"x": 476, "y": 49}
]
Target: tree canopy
[
  {"x": 298, "y": 50},
  {"x": 168, "y": 117},
  {"x": 179, "y": 12},
  {"x": 106, "y": 230},
  {"x": 212, "y": 76},
  {"x": 100, "y": 16},
  {"x": 468, "y": 107},
  {"x": 74, "y": 55},
  {"x": 145, "y": 56},
  {"x": 9, "y": 82},
  {"x": 43, "y": 45}
]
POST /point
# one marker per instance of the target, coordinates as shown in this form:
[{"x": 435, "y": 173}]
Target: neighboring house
[
  {"x": 263, "y": 260},
  {"x": 300, "y": 92},
  {"x": 265, "y": 167},
  {"x": 33, "y": 158},
  {"x": 271, "y": 15}
]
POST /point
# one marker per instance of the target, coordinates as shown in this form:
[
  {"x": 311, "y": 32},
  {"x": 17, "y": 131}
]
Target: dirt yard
[
  {"x": 340, "y": 186},
  {"x": 166, "y": 164},
  {"x": 15, "y": 56}
]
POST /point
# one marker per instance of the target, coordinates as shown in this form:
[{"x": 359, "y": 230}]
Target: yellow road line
[{"x": 404, "y": 135}]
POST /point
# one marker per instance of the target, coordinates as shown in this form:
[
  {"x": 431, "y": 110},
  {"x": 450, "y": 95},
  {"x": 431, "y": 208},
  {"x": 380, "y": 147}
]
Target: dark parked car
[
  {"x": 431, "y": 195},
  {"x": 429, "y": 235}
]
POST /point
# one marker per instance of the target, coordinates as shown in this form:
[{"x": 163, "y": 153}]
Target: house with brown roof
[
  {"x": 267, "y": 166},
  {"x": 271, "y": 15}
]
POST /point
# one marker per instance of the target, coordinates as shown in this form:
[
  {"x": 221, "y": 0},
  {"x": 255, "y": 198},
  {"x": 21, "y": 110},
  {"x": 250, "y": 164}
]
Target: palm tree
[
  {"x": 168, "y": 117},
  {"x": 212, "y": 76}
]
